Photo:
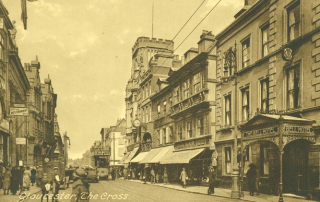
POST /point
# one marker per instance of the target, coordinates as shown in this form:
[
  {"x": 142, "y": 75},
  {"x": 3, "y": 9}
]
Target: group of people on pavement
[
  {"x": 253, "y": 178},
  {"x": 13, "y": 179}
]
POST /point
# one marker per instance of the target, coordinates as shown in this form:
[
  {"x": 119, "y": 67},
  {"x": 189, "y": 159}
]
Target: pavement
[
  {"x": 226, "y": 193},
  {"x": 17, "y": 197}
]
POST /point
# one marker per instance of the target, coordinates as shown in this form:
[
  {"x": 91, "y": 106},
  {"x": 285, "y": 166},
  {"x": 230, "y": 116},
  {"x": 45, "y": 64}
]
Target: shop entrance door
[{"x": 295, "y": 166}]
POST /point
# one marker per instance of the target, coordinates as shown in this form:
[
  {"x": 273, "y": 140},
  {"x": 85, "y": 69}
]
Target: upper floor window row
[{"x": 189, "y": 87}]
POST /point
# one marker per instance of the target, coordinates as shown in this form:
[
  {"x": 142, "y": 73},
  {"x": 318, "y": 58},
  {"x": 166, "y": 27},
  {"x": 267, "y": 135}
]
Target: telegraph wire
[{"x": 193, "y": 29}]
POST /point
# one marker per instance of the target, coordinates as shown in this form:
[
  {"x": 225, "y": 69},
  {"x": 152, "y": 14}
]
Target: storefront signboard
[
  {"x": 21, "y": 140},
  {"x": 260, "y": 132},
  {"x": 18, "y": 111}
]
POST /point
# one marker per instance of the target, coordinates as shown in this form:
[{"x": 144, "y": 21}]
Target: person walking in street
[
  {"x": 33, "y": 175},
  {"x": 211, "y": 177},
  {"x": 80, "y": 186},
  {"x": 257, "y": 180},
  {"x": 152, "y": 174},
  {"x": 56, "y": 184},
  {"x": 165, "y": 175},
  {"x": 6, "y": 181},
  {"x": 15, "y": 180},
  {"x": 26, "y": 178},
  {"x": 39, "y": 175},
  {"x": 45, "y": 187},
  {"x": 251, "y": 178},
  {"x": 184, "y": 177}
]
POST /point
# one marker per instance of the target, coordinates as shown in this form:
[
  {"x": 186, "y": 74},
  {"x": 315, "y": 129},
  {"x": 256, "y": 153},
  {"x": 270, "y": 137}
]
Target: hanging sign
[{"x": 18, "y": 111}]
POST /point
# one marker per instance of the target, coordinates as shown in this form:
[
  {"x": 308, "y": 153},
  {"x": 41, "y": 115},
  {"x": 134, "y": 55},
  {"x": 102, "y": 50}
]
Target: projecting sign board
[
  {"x": 18, "y": 111},
  {"x": 21, "y": 140}
]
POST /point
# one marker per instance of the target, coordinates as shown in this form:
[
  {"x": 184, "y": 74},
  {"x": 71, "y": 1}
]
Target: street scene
[{"x": 159, "y": 100}]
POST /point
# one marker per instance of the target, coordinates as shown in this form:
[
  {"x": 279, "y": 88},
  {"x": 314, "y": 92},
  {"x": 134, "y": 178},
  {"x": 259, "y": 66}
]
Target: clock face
[{"x": 136, "y": 123}]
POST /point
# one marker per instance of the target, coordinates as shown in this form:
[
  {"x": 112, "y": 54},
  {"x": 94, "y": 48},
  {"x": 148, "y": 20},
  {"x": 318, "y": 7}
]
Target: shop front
[{"x": 280, "y": 146}]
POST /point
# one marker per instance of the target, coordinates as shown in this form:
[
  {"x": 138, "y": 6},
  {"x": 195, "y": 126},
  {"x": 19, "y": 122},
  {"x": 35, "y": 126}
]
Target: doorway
[{"x": 295, "y": 166}]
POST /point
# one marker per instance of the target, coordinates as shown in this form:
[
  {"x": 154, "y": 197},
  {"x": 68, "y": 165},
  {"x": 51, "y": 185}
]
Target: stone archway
[{"x": 147, "y": 137}]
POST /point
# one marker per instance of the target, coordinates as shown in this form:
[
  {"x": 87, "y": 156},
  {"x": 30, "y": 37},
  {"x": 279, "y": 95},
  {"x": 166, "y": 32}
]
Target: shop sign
[
  {"x": 18, "y": 111},
  {"x": 260, "y": 132},
  {"x": 21, "y": 140},
  {"x": 298, "y": 129}
]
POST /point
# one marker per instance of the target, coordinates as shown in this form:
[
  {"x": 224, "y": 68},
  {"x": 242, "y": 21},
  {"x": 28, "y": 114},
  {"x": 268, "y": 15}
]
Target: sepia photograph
[{"x": 159, "y": 100}]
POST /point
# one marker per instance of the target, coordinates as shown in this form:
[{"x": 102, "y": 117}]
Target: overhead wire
[{"x": 193, "y": 29}]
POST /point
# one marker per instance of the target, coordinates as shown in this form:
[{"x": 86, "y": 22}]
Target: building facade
[
  {"x": 115, "y": 140},
  {"x": 142, "y": 84},
  {"x": 267, "y": 96}
]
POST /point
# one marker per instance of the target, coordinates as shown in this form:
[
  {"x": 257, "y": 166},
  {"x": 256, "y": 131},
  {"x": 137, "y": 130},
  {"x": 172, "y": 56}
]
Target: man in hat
[
  {"x": 80, "y": 186},
  {"x": 56, "y": 184},
  {"x": 251, "y": 178},
  {"x": 211, "y": 177}
]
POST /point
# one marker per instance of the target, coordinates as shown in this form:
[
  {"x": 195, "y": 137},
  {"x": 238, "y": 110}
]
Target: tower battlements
[{"x": 152, "y": 42}]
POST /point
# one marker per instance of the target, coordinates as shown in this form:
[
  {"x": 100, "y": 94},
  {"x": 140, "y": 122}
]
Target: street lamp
[{"x": 229, "y": 73}]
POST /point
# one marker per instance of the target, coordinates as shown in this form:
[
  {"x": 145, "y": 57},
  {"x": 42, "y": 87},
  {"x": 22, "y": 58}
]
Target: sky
[{"x": 86, "y": 45}]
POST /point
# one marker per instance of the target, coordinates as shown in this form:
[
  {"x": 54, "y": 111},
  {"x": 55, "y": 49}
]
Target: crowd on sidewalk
[{"x": 13, "y": 179}]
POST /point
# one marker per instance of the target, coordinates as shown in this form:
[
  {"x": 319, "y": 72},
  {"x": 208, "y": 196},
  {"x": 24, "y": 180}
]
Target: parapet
[{"x": 152, "y": 42}]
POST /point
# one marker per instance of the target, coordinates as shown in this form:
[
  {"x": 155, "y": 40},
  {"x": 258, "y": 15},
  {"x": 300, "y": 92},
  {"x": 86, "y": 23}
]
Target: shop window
[
  {"x": 265, "y": 40},
  {"x": 245, "y": 104},
  {"x": 228, "y": 165},
  {"x": 246, "y": 53},
  {"x": 227, "y": 110},
  {"x": 264, "y": 94},
  {"x": 264, "y": 163},
  {"x": 293, "y": 87},
  {"x": 294, "y": 21}
]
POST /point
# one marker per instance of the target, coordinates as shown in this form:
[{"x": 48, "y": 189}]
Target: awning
[
  {"x": 125, "y": 157},
  {"x": 152, "y": 153},
  {"x": 162, "y": 154},
  {"x": 131, "y": 155},
  {"x": 139, "y": 158},
  {"x": 181, "y": 157}
]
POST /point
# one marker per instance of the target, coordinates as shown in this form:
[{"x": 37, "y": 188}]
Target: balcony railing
[{"x": 146, "y": 146}]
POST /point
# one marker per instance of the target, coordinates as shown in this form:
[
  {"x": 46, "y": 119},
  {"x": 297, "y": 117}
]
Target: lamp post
[{"x": 230, "y": 72}]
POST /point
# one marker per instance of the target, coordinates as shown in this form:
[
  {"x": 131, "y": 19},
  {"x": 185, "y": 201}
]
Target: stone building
[
  {"x": 268, "y": 96},
  {"x": 142, "y": 84},
  {"x": 35, "y": 118}
]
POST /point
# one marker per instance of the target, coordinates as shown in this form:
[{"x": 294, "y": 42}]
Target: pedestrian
[
  {"x": 15, "y": 180},
  {"x": 165, "y": 175},
  {"x": 211, "y": 177},
  {"x": 257, "y": 181},
  {"x": 26, "y": 178},
  {"x": 80, "y": 186},
  {"x": 6, "y": 181},
  {"x": 33, "y": 175},
  {"x": 251, "y": 178},
  {"x": 157, "y": 176},
  {"x": 45, "y": 187},
  {"x": 125, "y": 174},
  {"x": 152, "y": 175},
  {"x": 145, "y": 175},
  {"x": 113, "y": 173},
  {"x": 133, "y": 173},
  {"x": 184, "y": 177},
  {"x": 56, "y": 184},
  {"x": 39, "y": 175}
]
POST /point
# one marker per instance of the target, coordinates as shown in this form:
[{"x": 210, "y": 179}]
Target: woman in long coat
[
  {"x": 33, "y": 175},
  {"x": 26, "y": 178},
  {"x": 6, "y": 181},
  {"x": 251, "y": 178},
  {"x": 15, "y": 180},
  {"x": 183, "y": 178}
]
